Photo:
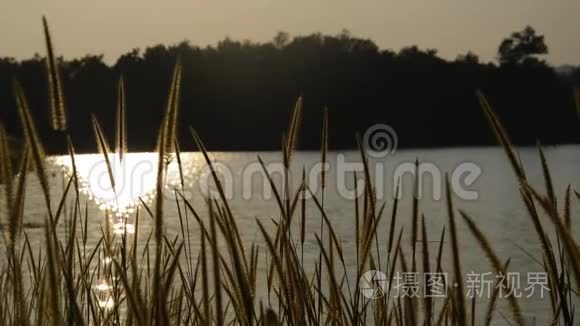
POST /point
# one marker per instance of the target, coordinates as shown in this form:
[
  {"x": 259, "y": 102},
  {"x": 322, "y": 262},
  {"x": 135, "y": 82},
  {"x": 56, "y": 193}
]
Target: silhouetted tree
[
  {"x": 281, "y": 40},
  {"x": 469, "y": 57},
  {"x": 522, "y": 47},
  {"x": 239, "y": 95}
]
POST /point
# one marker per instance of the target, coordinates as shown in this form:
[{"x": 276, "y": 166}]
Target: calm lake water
[{"x": 485, "y": 188}]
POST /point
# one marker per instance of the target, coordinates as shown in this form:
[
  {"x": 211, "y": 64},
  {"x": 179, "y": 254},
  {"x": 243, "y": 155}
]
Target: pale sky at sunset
[{"x": 110, "y": 27}]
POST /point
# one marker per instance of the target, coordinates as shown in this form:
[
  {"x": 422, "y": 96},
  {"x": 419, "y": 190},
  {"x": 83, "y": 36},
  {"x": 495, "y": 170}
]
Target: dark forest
[{"x": 239, "y": 95}]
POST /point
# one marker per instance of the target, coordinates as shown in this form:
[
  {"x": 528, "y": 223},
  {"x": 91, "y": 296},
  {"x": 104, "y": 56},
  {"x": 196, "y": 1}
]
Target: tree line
[{"x": 239, "y": 95}]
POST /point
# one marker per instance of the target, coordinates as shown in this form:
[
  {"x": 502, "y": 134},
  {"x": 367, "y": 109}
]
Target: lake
[{"x": 482, "y": 180}]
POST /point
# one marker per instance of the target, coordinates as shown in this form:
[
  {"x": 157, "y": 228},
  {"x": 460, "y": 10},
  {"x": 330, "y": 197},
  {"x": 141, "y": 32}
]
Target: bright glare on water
[{"x": 134, "y": 178}]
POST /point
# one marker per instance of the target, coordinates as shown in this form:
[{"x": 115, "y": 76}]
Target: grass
[{"x": 168, "y": 282}]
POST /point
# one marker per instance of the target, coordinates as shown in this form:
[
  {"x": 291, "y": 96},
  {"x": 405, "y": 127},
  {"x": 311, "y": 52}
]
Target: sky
[{"x": 114, "y": 27}]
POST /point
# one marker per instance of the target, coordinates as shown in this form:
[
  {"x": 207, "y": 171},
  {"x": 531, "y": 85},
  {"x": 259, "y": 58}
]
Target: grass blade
[
  {"x": 121, "y": 146},
  {"x": 292, "y": 138},
  {"x": 461, "y": 316},
  {"x": 496, "y": 263},
  {"x": 33, "y": 142},
  {"x": 103, "y": 149},
  {"x": 55, "y": 88}
]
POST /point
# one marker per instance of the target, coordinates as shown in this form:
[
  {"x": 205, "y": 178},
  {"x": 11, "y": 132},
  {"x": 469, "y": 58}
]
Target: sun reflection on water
[
  {"x": 134, "y": 177},
  {"x": 135, "y": 181}
]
